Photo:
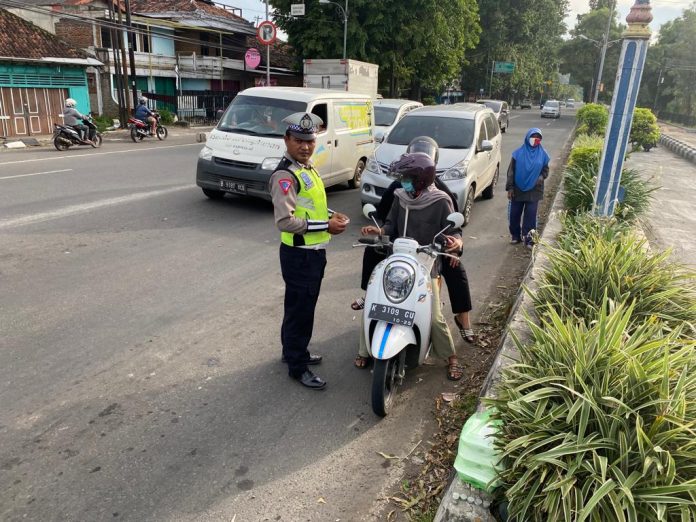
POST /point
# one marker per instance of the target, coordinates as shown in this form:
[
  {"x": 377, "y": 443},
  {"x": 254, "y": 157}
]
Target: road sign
[
  {"x": 266, "y": 33},
  {"x": 503, "y": 67},
  {"x": 252, "y": 58},
  {"x": 297, "y": 9}
]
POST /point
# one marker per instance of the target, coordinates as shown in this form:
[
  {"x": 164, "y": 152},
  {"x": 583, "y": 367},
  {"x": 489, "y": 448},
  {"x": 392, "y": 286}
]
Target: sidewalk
[{"x": 115, "y": 135}]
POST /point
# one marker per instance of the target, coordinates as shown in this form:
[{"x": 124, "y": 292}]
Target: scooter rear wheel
[
  {"x": 59, "y": 144},
  {"x": 134, "y": 134},
  {"x": 384, "y": 382}
]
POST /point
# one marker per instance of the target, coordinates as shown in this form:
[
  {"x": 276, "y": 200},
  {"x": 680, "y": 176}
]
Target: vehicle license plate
[
  {"x": 233, "y": 186},
  {"x": 391, "y": 314}
]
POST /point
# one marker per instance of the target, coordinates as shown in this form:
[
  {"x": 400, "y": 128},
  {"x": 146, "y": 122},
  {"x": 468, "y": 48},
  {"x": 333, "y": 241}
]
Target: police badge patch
[
  {"x": 307, "y": 180},
  {"x": 285, "y": 185}
]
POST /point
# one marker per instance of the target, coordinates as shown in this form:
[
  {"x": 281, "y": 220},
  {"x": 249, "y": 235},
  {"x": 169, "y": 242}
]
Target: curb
[
  {"x": 680, "y": 148},
  {"x": 462, "y": 502}
]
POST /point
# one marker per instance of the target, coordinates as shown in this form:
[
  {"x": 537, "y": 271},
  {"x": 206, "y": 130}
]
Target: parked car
[
  {"x": 526, "y": 104},
  {"x": 551, "y": 109},
  {"x": 501, "y": 110},
  {"x": 245, "y": 147},
  {"x": 470, "y": 151},
  {"x": 388, "y": 112},
  {"x": 570, "y": 103}
]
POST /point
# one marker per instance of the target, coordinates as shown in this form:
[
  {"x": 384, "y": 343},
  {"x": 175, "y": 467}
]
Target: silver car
[
  {"x": 470, "y": 152},
  {"x": 551, "y": 109}
]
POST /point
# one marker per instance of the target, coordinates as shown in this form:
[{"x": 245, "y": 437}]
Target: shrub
[
  {"x": 166, "y": 116},
  {"x": 103, "y": 122},
  {"x": 585, "y": 157},
  {"x": 428, "y": 100},
  {"x": 599, "y": 424},
  {"x": 598, "y": 259},
  {"x": 589, "y": 140},
  {"x": 644, "y": 130},
  {"x": 592, "y": 119},
  {"x": 579, "y": 188}
]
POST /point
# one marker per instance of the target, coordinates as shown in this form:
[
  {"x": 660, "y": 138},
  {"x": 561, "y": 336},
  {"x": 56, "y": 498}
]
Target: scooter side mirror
[
  {"x": 368, "y": 210},
  {"x": 456, "y": 218}
]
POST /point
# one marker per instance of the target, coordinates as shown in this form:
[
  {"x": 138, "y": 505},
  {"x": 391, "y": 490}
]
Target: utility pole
[
  {"x": 605, "y": 44},
  {"x": 131, "y": 52},
  {"x": 657, "y": 87},
  {"x": 115, "y": 45},
  {"x": 268, "y": 56},
  {"x": 124, "y": 64}
]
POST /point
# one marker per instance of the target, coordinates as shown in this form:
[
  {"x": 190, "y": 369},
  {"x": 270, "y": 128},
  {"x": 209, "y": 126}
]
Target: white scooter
[{"x": 398, "y": 308}]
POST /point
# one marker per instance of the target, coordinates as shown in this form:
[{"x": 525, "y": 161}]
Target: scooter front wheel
[
  {"x": 384, "y": 382},
  {"x": 161, "y": 133},
  {"x": 97, "y": 141}
]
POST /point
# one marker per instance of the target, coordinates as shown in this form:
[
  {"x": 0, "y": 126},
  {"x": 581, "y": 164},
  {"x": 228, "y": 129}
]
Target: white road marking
[
  {"x": 101, "y": 153},
  {"x": 36, "y": 174},
  {"x": 86, "y": 207}
]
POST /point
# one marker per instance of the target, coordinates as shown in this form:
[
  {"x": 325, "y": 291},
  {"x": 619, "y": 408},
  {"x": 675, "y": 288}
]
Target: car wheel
[
  {"x": 357, "y": 175},
  {"x": 213, "y": 194},
  {"x": 489, "y": 190},
  {"x": 468, "y": 203}
]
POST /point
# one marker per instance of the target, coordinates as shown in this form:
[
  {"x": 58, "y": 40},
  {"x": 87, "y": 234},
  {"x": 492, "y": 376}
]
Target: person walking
[
  {"x": 529, "y": 167},
  {"x": 306, "y": 224}
]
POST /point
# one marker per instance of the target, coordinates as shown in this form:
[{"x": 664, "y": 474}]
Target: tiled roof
[
  {"x": 22, "y": 39},
  {"x": 186, "y": 6}
]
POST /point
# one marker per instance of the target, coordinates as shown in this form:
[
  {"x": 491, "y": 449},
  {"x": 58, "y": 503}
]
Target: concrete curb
[
  {"x": 686, "y": 151},
  {"x": 462, "y": 502}
]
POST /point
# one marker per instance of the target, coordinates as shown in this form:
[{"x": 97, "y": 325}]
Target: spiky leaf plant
[{"x": 599, "y": 423}]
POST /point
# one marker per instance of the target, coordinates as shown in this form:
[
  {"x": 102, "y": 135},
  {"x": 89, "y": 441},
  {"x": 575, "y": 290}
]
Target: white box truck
[{"x": 342, "y": 75}]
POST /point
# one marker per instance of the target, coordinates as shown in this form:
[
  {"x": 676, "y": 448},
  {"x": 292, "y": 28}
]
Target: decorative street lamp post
[
  {"x": 631, "y": 64},
  {"x": 344, "y": 14}
]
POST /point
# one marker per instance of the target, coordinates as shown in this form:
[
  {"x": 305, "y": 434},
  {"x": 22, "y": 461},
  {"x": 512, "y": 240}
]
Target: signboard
[
  {"x": 266, "y": 33},
  {"x": 297, "y": 9},
  {"x": 503, "y": 67},
  {"x": 252, "y": 58}
]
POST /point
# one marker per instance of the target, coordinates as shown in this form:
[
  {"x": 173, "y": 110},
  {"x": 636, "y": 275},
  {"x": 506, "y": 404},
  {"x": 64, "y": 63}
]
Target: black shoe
[
  {"x": 313, "y": 359},
  {"x": 310, "y": 380}
]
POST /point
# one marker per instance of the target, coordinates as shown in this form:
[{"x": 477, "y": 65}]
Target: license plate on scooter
[{"x": 391, "y": 314}]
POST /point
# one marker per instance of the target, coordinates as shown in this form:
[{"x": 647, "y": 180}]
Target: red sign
[
  {"x": 266, "y": 33},
  {"x": 252, "y": 58}
]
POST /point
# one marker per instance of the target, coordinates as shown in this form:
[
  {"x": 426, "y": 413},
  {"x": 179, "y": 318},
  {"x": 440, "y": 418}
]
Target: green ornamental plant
[
  {"x": 592, "y": 119},
  {"x": 599, "y": 259},
  {"x": 585, "y": 157},
  {"x": 599, "y": 422},
  {"x": 644, "y": 130}
]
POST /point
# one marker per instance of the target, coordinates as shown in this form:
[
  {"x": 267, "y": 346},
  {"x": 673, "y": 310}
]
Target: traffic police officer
[{"x": 306, "y": 225}]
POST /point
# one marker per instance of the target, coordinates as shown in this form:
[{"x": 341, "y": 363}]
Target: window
[
  {"x": 258, "y": 116},
  {"x": 481, "y": 135},
  {"x": 142, "y": 39},
  {"x": 491, "y": 126},
  {"x": 322, "y": 110},
  {"x": 385, "y": 116},
  {"x": 106, "y": 38},
  {"x": 449, "y": 133}
]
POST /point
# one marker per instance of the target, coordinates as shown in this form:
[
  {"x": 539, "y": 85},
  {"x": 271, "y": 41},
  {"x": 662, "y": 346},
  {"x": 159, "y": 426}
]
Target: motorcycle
[
  {"x": 398, "y": 308},
  {"x": 139, "y": 129},
  {"x": 65, "y": 137}
]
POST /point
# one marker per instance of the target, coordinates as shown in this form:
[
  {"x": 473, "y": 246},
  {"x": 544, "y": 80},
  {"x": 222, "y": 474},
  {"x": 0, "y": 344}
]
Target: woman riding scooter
[{"x": 428, "y": 209}]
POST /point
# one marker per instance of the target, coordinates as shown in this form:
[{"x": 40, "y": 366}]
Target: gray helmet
[
  {"x": 70, "y": 103},
  {"x": 142, "y": 100},
  {"x": 426, "y": 145}
]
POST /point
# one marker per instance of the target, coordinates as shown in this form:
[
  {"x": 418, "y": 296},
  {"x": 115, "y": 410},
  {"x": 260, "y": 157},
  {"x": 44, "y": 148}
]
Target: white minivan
[
  {"x": 245, "y": 147},
  {"x": 470, "y": 145}
]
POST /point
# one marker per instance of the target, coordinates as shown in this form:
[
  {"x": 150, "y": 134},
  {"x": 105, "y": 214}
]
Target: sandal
[
  {"x": 467, "y": 333},
  {"x": 454, "y": 370},
  {"x": 358, "y": 304},
  {"x": 362, "y": 362}
]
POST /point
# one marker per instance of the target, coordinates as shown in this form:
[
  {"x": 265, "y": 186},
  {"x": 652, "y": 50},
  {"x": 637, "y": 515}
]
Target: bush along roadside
[{"x": 598, "y": 413}]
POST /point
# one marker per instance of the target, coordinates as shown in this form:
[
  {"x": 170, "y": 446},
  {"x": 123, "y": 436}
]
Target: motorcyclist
[
  {"x": 428, "y": 207},
  {"x": 73, "y": 118},
  {"x": 143, "y": 113}
]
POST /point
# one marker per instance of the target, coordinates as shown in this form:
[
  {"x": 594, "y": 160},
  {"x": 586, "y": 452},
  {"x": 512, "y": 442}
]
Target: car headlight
[
  {"x": 456, "y": 172},
  {"x": 372, "y": 165},
  {"x": 206, "y": 153},
  {"x": 270, "y": 163},
  {"x": 398, "y": 281}
]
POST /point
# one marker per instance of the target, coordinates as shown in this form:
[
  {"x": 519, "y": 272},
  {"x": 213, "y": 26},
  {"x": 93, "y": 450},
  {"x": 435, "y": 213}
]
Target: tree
[{"x": 416, "y": 43}]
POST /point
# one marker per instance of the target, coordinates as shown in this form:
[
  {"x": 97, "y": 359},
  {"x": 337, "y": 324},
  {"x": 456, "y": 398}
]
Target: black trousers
[
  {"x": 455, "y": 279},
  {"x": 303, "y": 270}
]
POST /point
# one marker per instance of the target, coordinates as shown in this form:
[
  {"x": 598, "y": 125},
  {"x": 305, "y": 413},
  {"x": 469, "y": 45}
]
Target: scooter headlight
[{"x": 399, "y": 278}]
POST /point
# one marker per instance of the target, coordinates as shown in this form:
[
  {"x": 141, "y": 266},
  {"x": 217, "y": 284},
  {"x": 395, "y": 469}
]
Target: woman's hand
[
  {"x": 371, "y": 229},
  {"x": 453, "y": 245},
  {"x": 511, "y": 193}
]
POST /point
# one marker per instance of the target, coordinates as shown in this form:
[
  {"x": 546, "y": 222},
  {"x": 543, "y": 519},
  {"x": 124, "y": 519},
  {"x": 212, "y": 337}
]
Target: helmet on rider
[
  {"x": 426, "y": 145},
  {"x": 142, "y": 100},
  {"x": 70, "y": 103},
  {"x": 416, "y": 171}
]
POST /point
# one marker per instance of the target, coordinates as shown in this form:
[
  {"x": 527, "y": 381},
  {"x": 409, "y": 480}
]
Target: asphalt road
[{"x": 139, "y": 354}]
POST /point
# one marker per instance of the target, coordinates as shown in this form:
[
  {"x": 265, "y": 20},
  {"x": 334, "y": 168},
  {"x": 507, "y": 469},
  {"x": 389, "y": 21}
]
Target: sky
[{"x": 662, "y": 10}]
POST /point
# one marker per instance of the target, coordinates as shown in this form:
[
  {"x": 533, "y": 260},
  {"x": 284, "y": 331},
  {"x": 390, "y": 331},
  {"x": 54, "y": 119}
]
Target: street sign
[
  {"x": 266, "y": 33},
  {"x": 297, "y": 9},
  {"x": 503, "y": 67},
  {"x": 252, "y": 58}
]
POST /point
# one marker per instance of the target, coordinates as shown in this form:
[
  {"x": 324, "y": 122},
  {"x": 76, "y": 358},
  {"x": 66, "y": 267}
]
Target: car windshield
[
  {"x": 449, "y": 133},
  {"x": 385, "y": 116},
  {"x": 551, "y": 104},
  {"x": 258, "y": 116},
  {"x": 493, "y": 105}
]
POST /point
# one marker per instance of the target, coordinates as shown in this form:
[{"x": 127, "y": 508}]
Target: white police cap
[{"x": 303, "y": 125}]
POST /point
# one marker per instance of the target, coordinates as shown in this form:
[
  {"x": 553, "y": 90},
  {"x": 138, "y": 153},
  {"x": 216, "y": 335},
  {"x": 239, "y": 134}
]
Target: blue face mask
[{"x": 407, "y": 185}]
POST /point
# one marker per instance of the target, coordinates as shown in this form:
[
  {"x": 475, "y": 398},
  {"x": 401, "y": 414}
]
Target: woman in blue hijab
[{"x": 528, "y": 169}]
